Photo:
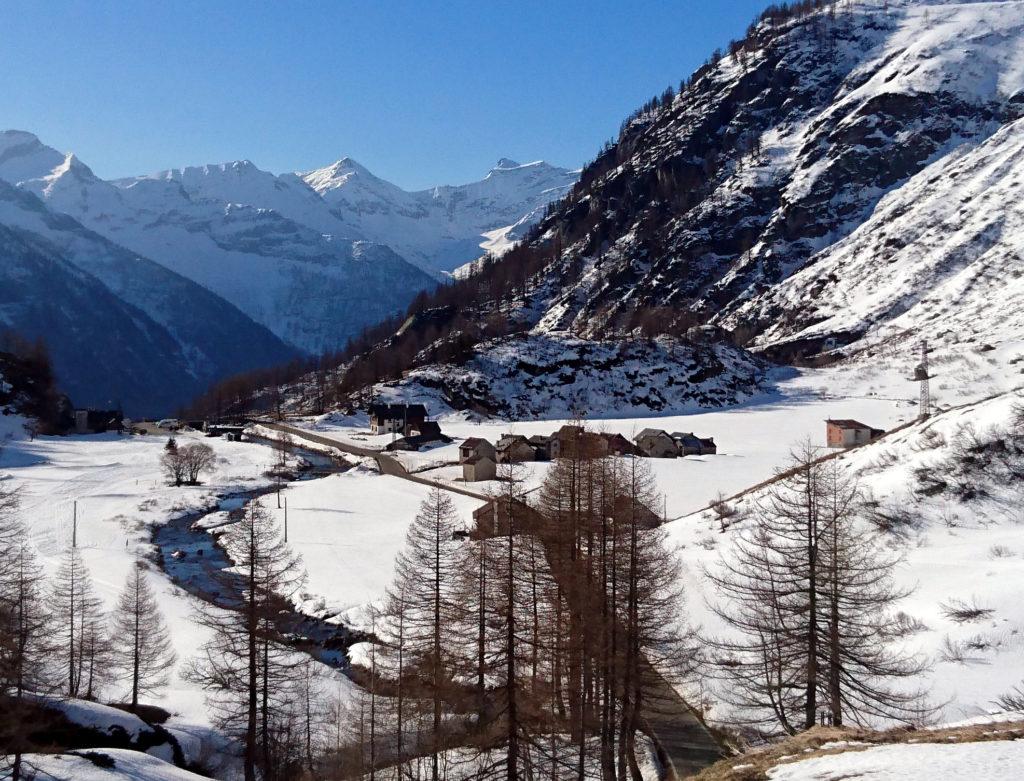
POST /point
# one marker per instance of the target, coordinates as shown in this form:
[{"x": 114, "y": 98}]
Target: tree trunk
[
  {"x": 249, "y": 760},
  {"x": 811, "y": 704},
  {"x": 435, "y": 764},
  {"x": 512, "y": 752},
  {"x": 136, "y": 650}
]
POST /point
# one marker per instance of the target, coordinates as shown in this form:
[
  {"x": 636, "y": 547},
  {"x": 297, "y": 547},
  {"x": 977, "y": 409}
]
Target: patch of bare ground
[{"x": 755, "y": 763}]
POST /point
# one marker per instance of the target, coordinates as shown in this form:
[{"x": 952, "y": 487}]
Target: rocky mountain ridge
[
  {"x": 227, "y": 267},
  {"x": 311, "y": 269},
  {"x": 444, "y": 227}
]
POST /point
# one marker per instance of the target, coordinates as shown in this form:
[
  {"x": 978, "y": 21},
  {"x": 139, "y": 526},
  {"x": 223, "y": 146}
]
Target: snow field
[
  {"x": 126, "y": 765},
  {"x": 121, "y": 496},
  {"x": 1001, "y": 760},
  {"x": 968, "y": 551},
  {"x": 348, "y": 528},
  {"x": 753, "y": 438}
]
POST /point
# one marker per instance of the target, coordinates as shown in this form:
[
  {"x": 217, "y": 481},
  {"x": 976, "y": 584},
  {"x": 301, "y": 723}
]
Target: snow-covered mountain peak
[
  {"x": 529, "y": 171},
  {"x": 23, "y": 156},
  {"x": 71, "y": 173},
  {"x": 443, "y": 227},
  {"x": 15, "y": 137},
  {"x": 203, "y": 179},
  {"x": 342, "y": 173},
  {"x": 72, "y": 165},
  {"x": 243, "y": 183},
  {"x": 72, "y": 187}
]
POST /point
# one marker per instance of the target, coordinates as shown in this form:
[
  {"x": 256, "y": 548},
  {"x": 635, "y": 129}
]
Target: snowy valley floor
[
  {"x": 348, "y": 527},
  {"x": 958, "y": 551},
  {"x": 115, "y": 487}
]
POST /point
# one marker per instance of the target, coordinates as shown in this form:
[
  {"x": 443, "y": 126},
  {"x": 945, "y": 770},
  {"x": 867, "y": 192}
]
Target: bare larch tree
[{"x": 141, "y": 645}]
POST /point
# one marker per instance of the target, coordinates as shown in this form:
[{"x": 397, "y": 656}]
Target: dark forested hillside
[{"x": 27, "y": 385}]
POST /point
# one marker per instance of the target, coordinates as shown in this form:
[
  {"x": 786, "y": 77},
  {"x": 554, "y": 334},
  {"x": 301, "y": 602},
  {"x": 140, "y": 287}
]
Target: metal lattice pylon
[{"x": 922, "y": 376}]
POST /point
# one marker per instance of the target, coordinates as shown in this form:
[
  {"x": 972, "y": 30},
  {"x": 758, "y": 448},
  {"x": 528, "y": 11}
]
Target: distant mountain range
[
  {"x": 194, "y": 273},
  {"x": 441, "y": 228}
]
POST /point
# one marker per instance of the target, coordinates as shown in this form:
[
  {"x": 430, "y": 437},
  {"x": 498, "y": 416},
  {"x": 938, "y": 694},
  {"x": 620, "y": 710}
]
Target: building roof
[
  {"x": 847, "y": 423},
  {"x": 430, "y": 428},
  {"x": 419, "y": 439},
  {"x": 510, "y": 441},
  {"x": 397, "y": 411},
  {"x": 612, "y": 436},
  {"x": 651, "y": 432},
  {"x": 539, "y": 439},
  {"x": 684, "y": 435},
  {"x": 474, "y": 442}
]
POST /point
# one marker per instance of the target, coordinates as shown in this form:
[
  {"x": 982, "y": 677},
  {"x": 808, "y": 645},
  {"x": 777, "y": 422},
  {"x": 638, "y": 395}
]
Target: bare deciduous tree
[
  {"x": 78, "y": 623},
  {"x": 141, "y": 645},
  {"x": 806, "y": 591},
  {"x": 198, "y": 458},
  {"x": 283, "y": 445},
  {"x": 24, "y": 636},
  {"x": 424, "y": 604},
  {"x": 246, "y": 666},
  {"x": 184, "y": 464}
]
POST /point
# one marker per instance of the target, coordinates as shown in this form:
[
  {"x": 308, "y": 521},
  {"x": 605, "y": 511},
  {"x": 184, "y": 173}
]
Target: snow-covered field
[
  {"x": 120, "y": 764},
  {"x": 753, "y": 438},
  {"x": 121, "y": 496},
  {"x": 997, "y": 760},
  {"x": 348, "y": 528}
]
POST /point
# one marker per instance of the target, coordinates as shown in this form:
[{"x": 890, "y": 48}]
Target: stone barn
[
  {"x": 848, "y": 433},
  {"x": 479, "y": 468},
  {"x": 655, "y": 443}
]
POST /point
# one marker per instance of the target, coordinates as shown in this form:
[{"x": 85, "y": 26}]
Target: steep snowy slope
[
  {"x": 558, "y": 376},
  {"x": 444, "y": 227},
  {"x": 941, "y": 257},
  {"x": 313, "y": 290},
  {"x": 783, "y": 149},
  {"x": 200, "y": 337},
  {"x": 104, "y": 350},
  {"x": 264, "y": 243}
]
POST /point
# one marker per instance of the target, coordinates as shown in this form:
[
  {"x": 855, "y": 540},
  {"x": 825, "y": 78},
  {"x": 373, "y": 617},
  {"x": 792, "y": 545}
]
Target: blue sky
[{"x": 421, "y": 93}]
